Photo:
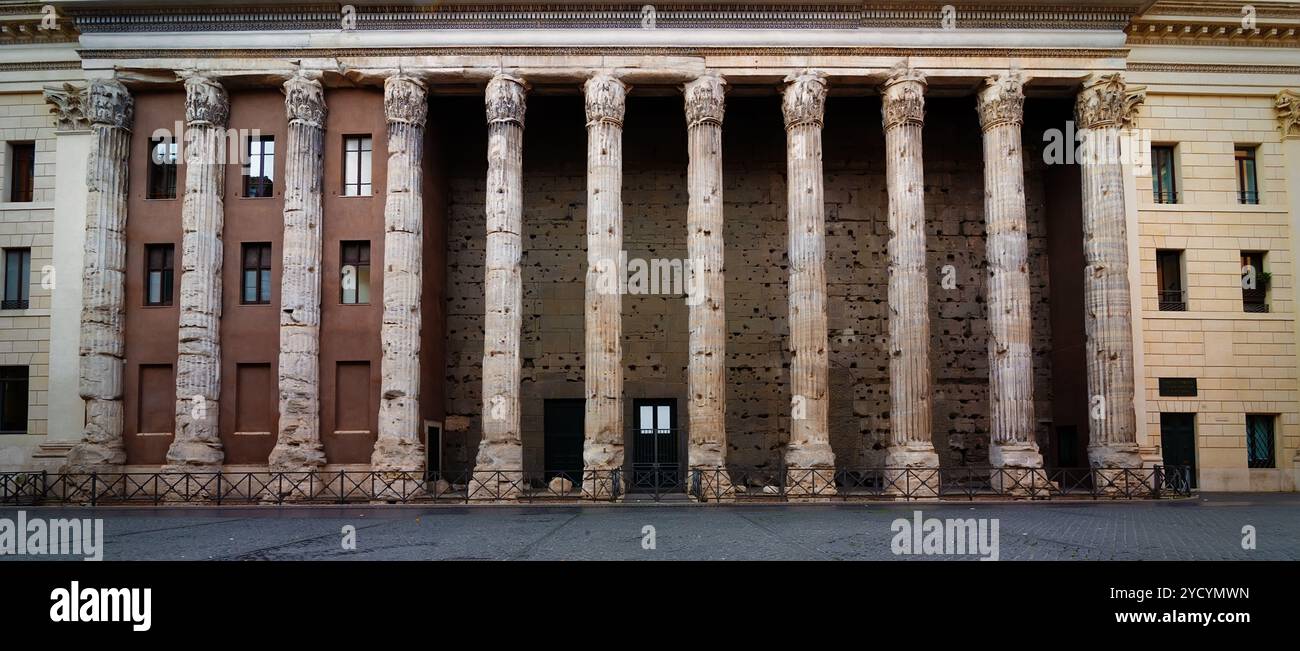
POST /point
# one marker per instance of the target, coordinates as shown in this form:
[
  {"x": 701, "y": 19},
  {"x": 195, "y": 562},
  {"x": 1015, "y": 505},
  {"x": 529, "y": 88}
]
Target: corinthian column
[
  {"x": 602, "y": 450},
  {"x": 1011, "y": 373},
  {"x": 398, "y": 447},
  {"x": 1104, "y": 106},
  {"x": 497, "y": 470},
  {"x": 706, "y": 373},
  {"x": 298, "y": 446},
  {"x": 903, "y": 113},
  {"x": 198, "y": 360},
  {"x": 110, "y": 112},
  {"x": 808, "y": 455}
]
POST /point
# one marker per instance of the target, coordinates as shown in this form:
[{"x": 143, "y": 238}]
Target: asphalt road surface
[{"x": 1208, "y": 527}]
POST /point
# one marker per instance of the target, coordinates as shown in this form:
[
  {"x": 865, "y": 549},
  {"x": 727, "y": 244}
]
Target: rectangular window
[
  {"x": 1254, "y": 282},
  {"x": 260, "y": 179},
  {"x": 1259, "y": 441},
  {"x": 162, "y": 168},
  {"x": 18, "y": 272},
  {"x": 13, "y": 399},
  {"x": 22, "y": 171},
  {"x": 257, "y": 273},
  {"x": 1169, "y": 281},
  {"x": 354, "y": 273},
  {"x": 158, "y": 274},
  {"x": 356, "y": 166},
  {"x": 1163, "y": 178},
  {"x": 1247, "y": 184}
]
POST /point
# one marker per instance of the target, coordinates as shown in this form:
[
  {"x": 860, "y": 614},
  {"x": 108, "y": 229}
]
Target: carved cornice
[
  {"x": 1212, "y": 33},
  {"x": 506, "y": 99},
  {"x": 35, "y": 24},
  {"x": 634, "y": 50},
  {"x": 1212, "y": 68},
  {"x": 804, "y": 100},
  {"x": 706, "y": 100},
  {"x": 405, "y": 100},
  {"x": 903, "y": 97},
  {"x": 1106, "y": 101},
  {"x": 605, "y": 98},
  {"x": 1002, "y": 101},
  {"x": 110, "y": 104},
  {"x": 68, "y": 104},
  {"x": 592, "y": 15},
  {"x": 1287, "y": 105},
  {"x": 206, "y": 102},
  {"x": 304, "y": 101}
]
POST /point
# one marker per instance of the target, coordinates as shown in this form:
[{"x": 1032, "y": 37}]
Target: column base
[
  {"x": 810, "y": 470},
  {"x": 296, "y": 456},
  {"x": 399, "y": 469},
  {"x": 1018, "y": 470},
  {"x": 87, "y": 457},
  {"x": 196, "y": 455},
  {"x": 1117, "y": 469},
  {"x": 710, "y": 482},
  {"x": 602, "y": 483},
  {"x": 912, "y": 471}
]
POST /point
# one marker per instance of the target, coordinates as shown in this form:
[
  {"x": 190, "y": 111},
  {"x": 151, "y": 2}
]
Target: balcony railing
[
  {"x": 1248, "y": 197},
  {"x": 14, "y": 304},
  {"x": 1254, "y": 300},
  {"x": 1173, "y": 300},
  {"x": 1165, "y": 196},
  {"x": 700, "y": 485}
]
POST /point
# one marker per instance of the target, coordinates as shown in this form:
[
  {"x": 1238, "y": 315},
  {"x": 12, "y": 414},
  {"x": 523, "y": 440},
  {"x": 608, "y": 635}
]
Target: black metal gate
[
  {"x": 1178, "y": 442},
  {"x": 656, "y": 466}
]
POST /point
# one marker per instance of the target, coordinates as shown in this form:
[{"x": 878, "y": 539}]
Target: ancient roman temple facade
[{"x": 665, "y": 248}]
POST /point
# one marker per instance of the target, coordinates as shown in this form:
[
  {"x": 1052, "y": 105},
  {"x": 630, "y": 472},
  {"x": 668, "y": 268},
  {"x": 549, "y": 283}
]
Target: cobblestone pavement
[{"x": 1208, "y": 527}]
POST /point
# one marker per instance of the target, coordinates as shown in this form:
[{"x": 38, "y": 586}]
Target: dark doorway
[
  {"x": 562, "y": 444},
  {"x": 1178, "y": 442},
  {"x": 1070, "y": 452},
  {"x": 433, "y": 448},
  {"x": 655, "y": 465}
]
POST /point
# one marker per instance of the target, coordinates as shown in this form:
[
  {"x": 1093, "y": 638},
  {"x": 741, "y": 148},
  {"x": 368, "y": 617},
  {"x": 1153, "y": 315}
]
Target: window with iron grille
[
  {"x": 162, "y": 168},
  {"x": 1247, "y": 182},
  {"x": 13, "y": 399},
  {"x": 158, "y": 274},
  {"x": 1164, "y": 180},
  {"x": 354, "y": 273},
  {"x": 260, "y": 179},
  {"x": 18, "y": 272},
  {"x": 1255, "y": 280},
  {"x": 1259, "y": 441},
  {"x": 1169, "y": 281},
  {"x": 356, "y": 166},
  {"x": 22, "y": 171},
  {"x": 257, "y": 273}
]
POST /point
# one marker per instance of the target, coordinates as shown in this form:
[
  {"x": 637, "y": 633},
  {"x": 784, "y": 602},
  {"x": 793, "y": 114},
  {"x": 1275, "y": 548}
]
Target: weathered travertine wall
[{"x": 655, "y": 327}]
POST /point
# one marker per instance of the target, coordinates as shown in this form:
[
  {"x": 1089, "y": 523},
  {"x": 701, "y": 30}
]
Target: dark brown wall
[
  {"x": 150, "y": 331},
  {"x": 250, "y": 333},
  {"x": 350, "y": 333},
  {"x": 433, "y": 333}
]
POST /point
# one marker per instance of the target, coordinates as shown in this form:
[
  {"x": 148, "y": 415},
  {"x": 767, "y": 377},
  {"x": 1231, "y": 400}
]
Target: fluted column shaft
[
  {"x": 502, "y": 447},
  {"x": 1011, "y": 373},
  {"x": 605, "y": 98},
  {"x": 398, "y": 446},
  {"x": 298, "y": 444},
  {"x": 1104, "y": 106},
  {"x": 803, "y": 106},
  {"x": 110, "y": 112},
  {"x": 706, "y": 373},
  {"x": 198, "y": 361},
  {"x": 903, "y": 113}
]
